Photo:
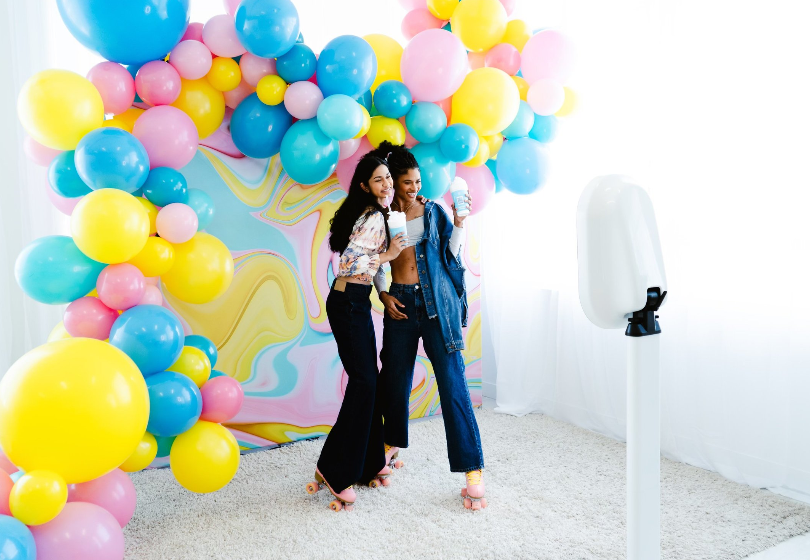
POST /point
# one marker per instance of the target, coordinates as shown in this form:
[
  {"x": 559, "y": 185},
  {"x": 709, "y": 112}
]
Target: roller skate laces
[{"x": 473, "y": 494}]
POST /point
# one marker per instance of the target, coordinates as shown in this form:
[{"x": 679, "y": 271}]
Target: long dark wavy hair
[
  {"x": 400, "y": 159},
  {"x": 356, "y": 204}
]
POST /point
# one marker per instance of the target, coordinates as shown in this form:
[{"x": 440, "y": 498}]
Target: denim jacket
[{"x": 441, "y": 275}]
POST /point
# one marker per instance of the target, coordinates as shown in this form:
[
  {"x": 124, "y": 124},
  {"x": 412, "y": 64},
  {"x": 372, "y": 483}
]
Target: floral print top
[{"x": 361, "y": 259}]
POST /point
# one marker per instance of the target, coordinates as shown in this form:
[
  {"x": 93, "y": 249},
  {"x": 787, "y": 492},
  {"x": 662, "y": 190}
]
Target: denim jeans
[
  {"x": 400, "y": 343},
  {"x": 354, "y": 450}
]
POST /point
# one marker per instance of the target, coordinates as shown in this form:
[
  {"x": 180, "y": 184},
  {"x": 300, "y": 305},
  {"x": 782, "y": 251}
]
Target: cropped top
[{"x": 361, "y": 258}]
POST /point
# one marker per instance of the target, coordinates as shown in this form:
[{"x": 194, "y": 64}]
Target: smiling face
[
  {"x": 407, "y": 186},
  {"x": 380, "y": 184}
]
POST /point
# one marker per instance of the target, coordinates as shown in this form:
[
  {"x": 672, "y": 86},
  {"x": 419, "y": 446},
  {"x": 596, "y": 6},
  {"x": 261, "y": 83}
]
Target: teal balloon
[
  {"x": 164, "y": 445},
  {"x": 216, "y": 373},
  {"x": 267, "y": 28},
  {"x": 365, "y": 99},
  {"x": 16, "y": 540},
  {"x": 63, "y": 177},
  {"x": 204, "y": 344},
  {"x": 165, "y": 186},
  {"x": 175, "y": 403},
  {"x": 133, "y": 71},
  {"x": 522, "y": 125},
  {"x": 151, "y": 335},
  {"x": 393, "y": 99},
  {"x": 544, "y": 128},
  {"x": 347, "y": 65},
  {"x": 307, "y": 154},
  {"x": 523, "y": 165},
  {"x": 53, "y": 270},
  {"x": 111, "y": 158},
  {"x": 426, "y": 122},
  {"x": 17, "y": 476},
  {"x": 340, "y": 117},
  {"x": 203, "y": 206},
  {"x": 459, "y": 142},
  {"x": 257, "y": 129},
  {"x": 437, "y": 170},
  {"x": 297, "y": 64},
  {"x": 492, "y": 164}
]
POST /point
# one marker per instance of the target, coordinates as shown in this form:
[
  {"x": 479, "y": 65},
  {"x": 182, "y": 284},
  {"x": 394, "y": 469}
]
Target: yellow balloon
[
  {"x": 389, "y": 56},
  {"x": 205, "y": 458},
  {"x": 225, "y": 74},
  {"x": 193, "y": 363},
  {"x": 204, "y": 104},
  {"x": 143, "y": 455},
  {"x": 110, "y": 226},
  {"x": 480, "y": 157},
  {"x": 383, "y": 128},
  {"x": 488, "y": 100},
  {"x": 517, "y": 34},
  {"x": 480, "y": 24},
  {"x": 38, "y": 497},
  {"x": 77, "y": 407},
  {"x": 125, "y": 120},
  {"x": 57, "y": 108},
  {"x": 523, "y": 87},
  {"x": 495, "y": 143},
  {"x": 59, "y": 332},
  {"x": 366, "y": 123},
  {"x": 442, "y": 9},
  {"x": 91, "y": 293},
  {"x": 155, "y": 259},
  {"x": 152, "y": 211},
  {"x": 271, "y": 89},
  {"x": 202, "y": 271},
  {"x": 570, "y": 103}
]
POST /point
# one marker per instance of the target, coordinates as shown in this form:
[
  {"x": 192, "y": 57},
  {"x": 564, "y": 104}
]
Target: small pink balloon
[
  {"x": 477, "y": 60},
  {"x": 64, "y": 205},
  {"x": 177, "y": 223},
  {"x": 509, "y": 5},
  {"x": 545, "y": 97},
  {"x": 81, "y": 531},
  {"x": 254, "y": 68},
  {"x": 169, "y": 136},
  {"x": 39, "y": 154},
  {"x": 158, "y": 83},
  {"x": 6, "y": 484},
  {"x": 547, "y": 55},
  {"x": 193, "y": 32},
  {"x": 504, "y": 57},
  {"x": 302, "y": 100},
  {"x": 410, "y": 141},
  {"x": 348, "y": 147},
  {"x": 419, "y": 20},
  {"x": 115, "y": 84},
  {"x": 222, "y": 398},
  {"x": 230, "y": 6},
  {"x": 434, "y": 65},
  {"x": 6, "y": 464},
  {"x": 88, "y": 317},
  {"x": 234, "y": 97},
  {"x": 114, "y": 492},
  {"x": 120, "y": 286},
  {"x": 151, "y": 296},
  {"x": 219, "y": 35},
  {"x": 413, "y": 4},
  {"x": 481, "y": 184},
  {"x": 345, "y": 168},
  {"x": 151, "y": 280},
  {"x": 191, "y": 59},
  {"x": 447, "y": 106}
]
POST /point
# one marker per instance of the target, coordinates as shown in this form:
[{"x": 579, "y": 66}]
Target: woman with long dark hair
[{"x": 354, "y": 450}]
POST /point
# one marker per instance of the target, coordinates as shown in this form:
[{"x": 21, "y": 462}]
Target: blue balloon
[
  {"x": 165, "y": 186},
  {"x": 164, "y": 445},
  {"x": 436, "y": 169},
  {"x": 16, "y": 540},
  {"x": 393, "y": 99},
  {"x": 133, "y": 71},
  {"x": 53, "y": 270},
  {"x": 297, "y": 65},
  {"x": 64, "y": 179},
  {"x": 204, "y": 344},
  {"x": 522, "y": 165},
  {"x": 267, "y": 28},
  {"x": 149, "y": 334},
  {"x": 544, "y": 128},
  {"x": 129, "y": 32},
  {"x": 111, "y": 158},
  {"x": 175, "y": 403},
  {"x": 347, "y": 65},
  {"x": 307, "y": 154},
  {"x": 522, "y": 124},
  {"x": 340, "y": 117},
  {"x": 257, "y": 129},
  {"x": 300, "y": 38},
  {"x": 447, "y": 27},
  {"x": 17, "y": 476},
  {"x": 203, "y": 206},
  {"x": 215, "y": 373},
  {"x": 459, "y": 142},
  {"x": 364, "y": 99},
  {"x": 426, "y": 122},
  {"x": 492, "y": 164}
]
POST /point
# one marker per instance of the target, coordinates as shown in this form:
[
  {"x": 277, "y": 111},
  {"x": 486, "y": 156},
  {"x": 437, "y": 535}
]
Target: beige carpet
[{"x": 556, "y": 492}]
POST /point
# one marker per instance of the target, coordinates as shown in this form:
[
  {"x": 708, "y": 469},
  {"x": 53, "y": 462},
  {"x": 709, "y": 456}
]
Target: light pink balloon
[
  {"x": 234, "y": 97},
  {"x": 193, "y": 32},
  {"x": 177, "y": 223},
  {"x": 222, "y": 398},
  {"x": 6, "y": 464},
  {"x": 151, "y": 296},
  {"x": 504, "y": 57},
  {"x": 545, "y": 97},
  {"x": 120, "y": 286},
  {"x": 114, "y": 492},
  {"x": 158, "y": 83},
  {"x": 434, "y": 65},
  {"x": 115, "y": 84},
  {"x": 88, "y": 317},
  {"x": 477, "y": 60},
  {"x": 39, "y": 154},
  {"x": 219, "y": 35},
  {"x": 348, "y": 147},
  {"x": 64, "y": 205},
  {"x": 410, "y": 141},
  {"x": 547, "y": 55},
  {"x": 302, "y": 100},
  {"x": 419, "y": 20},
  {"x": 169, "y": 136},
  {"x": 230, "y": 6},
  {"x": 254, "y": 68},
  {"x": 345, "y": 168},
  {"x": 413, "y": 4},
  {"x": 152, "y": 280},
  {"x": 481, "y": 184},
  {"x": 81, "y": 531},
  {"x": 191, "y": 59},
  {"x": 509, "y": 5}
]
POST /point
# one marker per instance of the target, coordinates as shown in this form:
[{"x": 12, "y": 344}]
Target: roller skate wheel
[
  {"x": 335, "y": 505},
  {"x": 483, "y": 502},
  {"x": 374, "y": 483},
  {"x": 386, "y": 482},
  {"x": 476, "y": 505},
  {"x": 313, "y": 487},
  {"x": 399, "y": 464},
  {"x": 467, "y": 503},
  {"x": 349, "y": 507},
  {"x": 463, "y": 492}
]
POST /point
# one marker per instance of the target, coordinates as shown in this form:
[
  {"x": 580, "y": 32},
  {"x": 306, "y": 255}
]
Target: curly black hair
[{"x": 400, "y": 159}]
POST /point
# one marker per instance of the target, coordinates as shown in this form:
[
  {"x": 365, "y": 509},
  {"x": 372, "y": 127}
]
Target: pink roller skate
[
  {"x": 391, "y": 454},
  {"x": 382, "y": 478},
  {"x": 345, "y": 499},
  {"x": 473, "y": 494}
]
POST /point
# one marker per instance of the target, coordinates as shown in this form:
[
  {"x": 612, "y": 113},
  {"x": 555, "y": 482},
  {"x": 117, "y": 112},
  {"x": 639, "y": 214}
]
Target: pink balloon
[
  {"x": 447, "y": 106},
  {"x": 176, "y": 223},
  {"x": 413, "y": 4},
  {"x": 302, "y": 100},
  {"x": 234, "y": 97},
  {"x": 254, "y": 68},
  {"x": 151, "y": 280},
  {"x": 193, "y": 32},
  {"x": 6, "y": 465},
  {"x": 6, "y": 484},
  {"x": 230, "y": 6},
  {"x": 219, "y": 35},
  {"x": 151, "y": 296},
  {"x": 39, "y": 154},
  {"x": 169, "y": 136},
  {"x": 434, "y": 65},
  {"x": 81, "y": 531},
  {"x": 545, "y": 97},
  {"x": 477, "y": 60},
  {"x": 114, "y": 492},
  {"x": 115, "y": 84},
  {"x": 64, "y": 205},
  {"x": 345, "y": 168},
  {"x": 504, "y": 57},
  {"x": 120, "y": 286},
  {"x": 410, "y": 141},
  {"x": 547, "y": 55},
  {"x": 509, "y": 5},
  {"x": 88, "y": 317},
  {"x": 481, "y": 184},
  {"x": 419, "y": 20},
  {"x": 158, "y": 83},
  {"x": 191, "y": 59},
  {"x": 222, "y": 398},
  {"x": 348, "y": 147}
]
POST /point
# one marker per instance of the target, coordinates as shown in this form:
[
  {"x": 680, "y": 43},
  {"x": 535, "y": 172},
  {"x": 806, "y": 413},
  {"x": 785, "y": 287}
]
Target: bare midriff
[{"x": 403, "y": 268}]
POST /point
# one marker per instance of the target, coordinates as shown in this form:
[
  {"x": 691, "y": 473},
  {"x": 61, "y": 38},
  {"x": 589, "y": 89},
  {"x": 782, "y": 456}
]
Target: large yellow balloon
[
  {"x": 77, "y": 407},
  {"x": 442, "y": 9},
  {"x": 59, "y": 332},
  {"x": 271, "y": 89},
  {"x": 143, "y": 455},
  {"x": 488, "y": 100},
  {"x": 383, "y": 128},
  {"x": 110, "y": 226},
  {"x": 125, "y": 120},
  {"x": 193, "y": 363},
  {"x": 517, "y": 34},
  {"x": 570, "y": 103},
  {"x": 205, "y": 458},
  {"x": 57, "y": 108},
  {"x": 38, "y": 497},
  {"x": 480, "y": 157},
  {"x": 203, "y": 103},
  {"x": 202, "y": 271},
  {"x": 366, "y": 123},
  {"x": 480, "y": 24},
  {"x": 155, "y": 259},
  {"x": 495, "y": 143},
  {"x": 389, "y": 56}
]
